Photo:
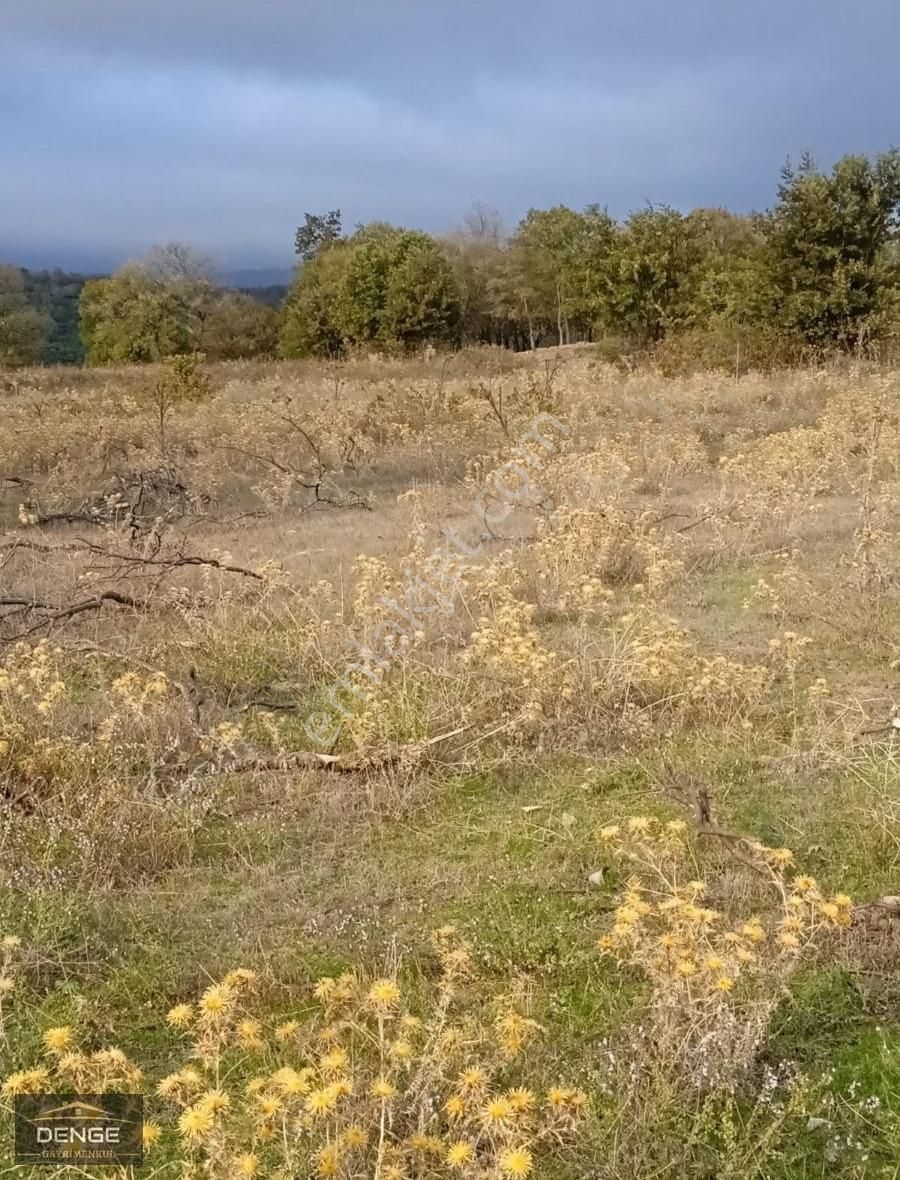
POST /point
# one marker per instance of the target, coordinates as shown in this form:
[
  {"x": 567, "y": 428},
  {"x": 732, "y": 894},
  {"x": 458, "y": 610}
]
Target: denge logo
[{"x": 83, "y": 1129}]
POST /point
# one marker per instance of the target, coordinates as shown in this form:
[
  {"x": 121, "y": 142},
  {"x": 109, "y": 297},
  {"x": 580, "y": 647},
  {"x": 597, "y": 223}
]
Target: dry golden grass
[{"x": 321, "y": 597}]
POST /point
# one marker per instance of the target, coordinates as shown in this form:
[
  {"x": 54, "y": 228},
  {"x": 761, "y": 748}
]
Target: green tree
[
  {"x": 383, "y": 287},
  {"x": 318, "y": 230},
  {"x": 422, "y": 300},
  {"x": 372, "y": 252},
  {"x": 190, "y": 283},
  {"x": 560, "y": 264},
  {"x": 548, "y": 242},
  {"x": 238, "y": 327},
  {"x": 311, "y": 322},
  {"x": 132, "y": 318},
  {"x": 477, "y": 252},
  {"x": 733, "y": 319},
  {"x": 834, "y": 274},
  {"x": 23, "y": 329},
  {"x": 170, "y": 304},
  {"x": 654, "y": 271}
]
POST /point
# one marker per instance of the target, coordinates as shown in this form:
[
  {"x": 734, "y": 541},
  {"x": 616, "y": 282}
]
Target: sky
[{"x": 220, "y": 122}]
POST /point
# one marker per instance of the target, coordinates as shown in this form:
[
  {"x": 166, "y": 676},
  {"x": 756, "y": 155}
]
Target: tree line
[{"x": 816, "y": 273}]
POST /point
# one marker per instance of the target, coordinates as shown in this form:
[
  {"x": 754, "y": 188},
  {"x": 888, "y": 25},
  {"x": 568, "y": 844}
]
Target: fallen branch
[
  {"x": 344, "y": 763},
  {"x": 55, "y": 612}
]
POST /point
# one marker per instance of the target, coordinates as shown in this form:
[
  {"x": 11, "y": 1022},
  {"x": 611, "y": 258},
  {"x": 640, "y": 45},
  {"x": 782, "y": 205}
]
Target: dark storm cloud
[{"x": 128, "y": 121}]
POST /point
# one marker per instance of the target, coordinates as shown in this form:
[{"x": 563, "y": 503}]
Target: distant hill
[
  {"x": 251, "y": 280},
  {"x": 270, "y": 296}
]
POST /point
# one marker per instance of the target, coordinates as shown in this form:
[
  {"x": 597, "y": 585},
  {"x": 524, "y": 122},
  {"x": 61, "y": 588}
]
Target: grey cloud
[{"x": 127, "y": 121}]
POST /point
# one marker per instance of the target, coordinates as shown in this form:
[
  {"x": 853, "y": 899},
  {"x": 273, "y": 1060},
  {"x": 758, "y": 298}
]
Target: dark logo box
[{"x": 99, "y": 1129}]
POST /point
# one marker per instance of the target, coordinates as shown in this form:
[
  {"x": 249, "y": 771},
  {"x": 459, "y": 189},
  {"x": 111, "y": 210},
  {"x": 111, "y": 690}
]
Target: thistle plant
[
  {"x": 356, "y": 1084},
  {"x": 714, "y": 979}
]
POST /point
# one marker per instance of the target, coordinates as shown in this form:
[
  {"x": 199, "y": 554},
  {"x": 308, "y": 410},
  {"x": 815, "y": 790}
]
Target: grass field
[{"x": 299, "y": 663}]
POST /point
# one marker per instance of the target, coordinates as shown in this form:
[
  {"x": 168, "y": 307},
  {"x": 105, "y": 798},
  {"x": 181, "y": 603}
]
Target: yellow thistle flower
[
  {"x": 753, "y": 929},
  {"x": 497, "y": 1112},
  {"x": 71, "y": 1063},
  {"x": 180, "y": 1016},
  {"x": 781, "y": 856},
  {"x": 150, "y": 1133},
  {"x": 382, "y": 1088},
  {"x": 269, "y": 1106},
  {"x": 640, "y": 825},
  {"x": 328, "y": 1160},
  {"x": 255, "y": 1085},
  {"x": 401, "y": 1050},
  {"x": 356, "y": 1136},
  {"x": 241, "y": 977},
  {"x": 169, "y": 1086},
  {"x": 426, "y": 1145},
  {"x": 471, "y": 1079},
  {"x": 196, "y": 1123},
  {"x": 789, "y": 940},
  {"x": 520, "y": 1099},
  {"x": 247, "y": 1164},
  {"x": 384, "y": 994},
  {"x": 320, "y": 1102},
  {"x": 459, "y": 1154},
  {"x": 804, "y": 883},
  {"x": 676, "y": 827},
  {"x": 334, "y": 1062},
  {"x": 455, "y": 1106},
  {"x": 686, "y": 968},
  {"x": 288, "y": 1030},
  {"x": 341, "y": 1088},
  {"x": 215, "y": 1001},
  {"x": 607, "y": 942},
  {"x": 16, "y": 1083},
  {"x": 558, "y": 1096},
  {"x": 830, "y": 911},
  {"x": 6, "y": 985},
  {"x": 249, "y": 1036},
  {"x": 289, "y": 1081},
  {"x": 610, "y": 832},
  {"x": 214, "y": 1101},
  {"x": 724, "y": 983},
  {"x": 57, "y": 1040},
  {"x": 516, "y": 1161},
  {"x": 843, "y": 901},
  {"x": 625, "y": 915},
  {"x": 112, "y": 1057},
  {"x": 324, "y": 988},
  {"x": 264, "y": 1132}
]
